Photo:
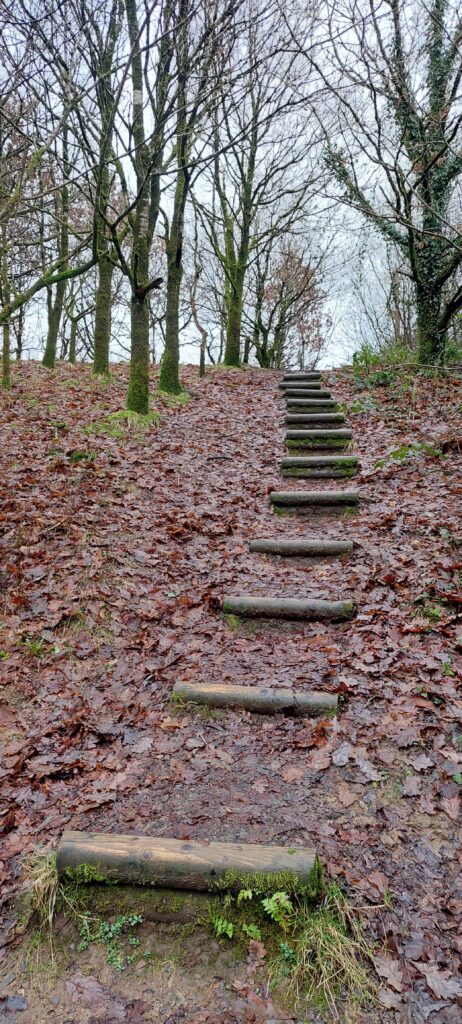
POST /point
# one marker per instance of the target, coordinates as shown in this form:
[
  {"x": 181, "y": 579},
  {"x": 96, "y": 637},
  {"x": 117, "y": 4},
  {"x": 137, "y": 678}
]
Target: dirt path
[{"x": 115, "y": 566}]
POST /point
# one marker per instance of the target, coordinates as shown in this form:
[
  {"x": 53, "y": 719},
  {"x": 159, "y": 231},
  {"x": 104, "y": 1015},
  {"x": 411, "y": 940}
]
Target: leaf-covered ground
[{"x": 117, "y": 548}]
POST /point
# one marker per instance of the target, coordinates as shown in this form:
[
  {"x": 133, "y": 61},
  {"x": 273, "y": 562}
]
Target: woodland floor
[{"x": 112, "y": 572}]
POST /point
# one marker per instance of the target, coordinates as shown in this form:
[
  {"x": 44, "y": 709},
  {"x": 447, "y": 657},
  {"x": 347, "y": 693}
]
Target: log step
[
  {"x": 265, "y": 699},
  {"x": 311, "y": 404},
  {"x": 300, "y": 385},
  {"x": 305, "y": 393},
  {"x": 294, "y": 499},
  {"x": 177, "y": 863},
  {"x": 314, "y": 417},
  {"x": 297, "y": 609},
  {"x": 308, "y": 375},
  {"x": 302, "y": 548},
  {"x": 320, "y": 439},
  {"x": 320, "y": 466}
]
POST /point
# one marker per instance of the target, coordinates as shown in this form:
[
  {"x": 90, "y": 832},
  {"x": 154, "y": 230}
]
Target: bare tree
[{"x": 392, "y": 123}]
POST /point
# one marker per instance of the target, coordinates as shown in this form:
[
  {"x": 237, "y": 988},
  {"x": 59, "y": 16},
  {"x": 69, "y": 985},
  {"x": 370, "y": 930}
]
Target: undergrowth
[{"x": 314, "y": 950}]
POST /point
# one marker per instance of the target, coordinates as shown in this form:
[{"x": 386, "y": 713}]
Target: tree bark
[{"x": 102, "y": 328}]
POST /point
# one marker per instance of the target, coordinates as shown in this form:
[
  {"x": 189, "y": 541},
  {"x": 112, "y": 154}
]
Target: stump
[
  {"x": 177, "y": 863},
  {"x": 264, "y": 699}
]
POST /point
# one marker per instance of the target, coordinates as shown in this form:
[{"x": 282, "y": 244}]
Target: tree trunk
[
  {"x": 73, "y": 341},
  {"x": 169, "y": 367},
  {"x": 138, "y": 386},
  {"x": 232, "y": 355},
  {"x": 54, "y": 322},
  {"x": 431, "y": 337},
  {"x": 103, "y": 316},
  {"x": 6, "y": 375}
]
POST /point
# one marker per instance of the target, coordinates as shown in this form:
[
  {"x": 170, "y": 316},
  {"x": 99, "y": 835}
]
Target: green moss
[
  {"x": 233, "y": 621},
  {"x": 117, "y": 424},
  {"x": 173, "y": 398},
  {"x": 83, "y": 874},
  {"x": 265, "y": 883},
  {"x": 318, "y": 444}
]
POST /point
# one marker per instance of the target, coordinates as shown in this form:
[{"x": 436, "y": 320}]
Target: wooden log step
[
  {"x": 300, "y": 385},
  {"x": 291, "y": 608},
  {"x": 321, "y": 439},
  {"x": 265, "y": 699},
  {"x": 314, "y": 417},
  {"x": 178, "y": 863},
  {"x": 302, "y": 375},
  {"x": 302, "y": 548},
  {"x": 319, "y": 466},
  {"x": 298, "y": 499},
  {"x": 305, "y": 393},
  {"x": 311, "y": 405}
]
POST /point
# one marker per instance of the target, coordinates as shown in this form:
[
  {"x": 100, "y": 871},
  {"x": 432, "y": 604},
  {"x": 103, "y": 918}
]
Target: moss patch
[
  {"x": 118, "y": 424},
  {"x": 317, "y": 445}
]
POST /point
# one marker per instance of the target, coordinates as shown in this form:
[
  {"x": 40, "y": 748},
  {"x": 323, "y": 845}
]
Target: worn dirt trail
[{"x": 116, "y": 565}]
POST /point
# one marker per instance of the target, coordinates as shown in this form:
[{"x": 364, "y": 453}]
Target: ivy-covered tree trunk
[
  {"x": 431, "y": 335},
  {"x": 103, "y": 301}
]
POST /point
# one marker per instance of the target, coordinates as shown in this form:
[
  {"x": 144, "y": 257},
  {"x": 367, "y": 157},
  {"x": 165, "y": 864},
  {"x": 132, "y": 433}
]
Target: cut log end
[
  {"x": 178, "y": 864},
  {"x": 263, "y": 699}
]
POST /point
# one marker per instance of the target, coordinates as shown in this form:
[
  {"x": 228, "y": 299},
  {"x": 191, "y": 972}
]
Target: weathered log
[
  {"x": 302, "y": 548},
  {"x": 177, "y": 863},
  {"x": 320, "y": 439},
  {"x": 314, "y": 417},
  {"x": 294, "y": 499},
  {"x": 305, "y": 393},
  {"x": 301, "y": 609},
  {"x": 320, "y": 466},
  {"x": 321, "y": 460},
  {"x": 300, "y": 385},
  {"x": 268, "y": 700},
  {"x": 312, "y": 404},
  {"x": 302, "y": 375}
]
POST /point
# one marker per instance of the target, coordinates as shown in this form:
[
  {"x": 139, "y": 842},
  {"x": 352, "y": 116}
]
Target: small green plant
[
  {"x": 4, "y": 655},
  {"x": 38, "y": 647},
  {"x": 279, "y": 908},
  {"x": 222, "y": 926},
  {"x": 447, "y": 670},
  {"x": 252, "y": 931},
  {"x": 110, "y": 935},
  {"x": 79, "y": 455},
  {"x": 409, "y": 451}
]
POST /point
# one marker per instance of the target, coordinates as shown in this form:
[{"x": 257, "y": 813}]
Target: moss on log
[{"x": 175, "y": 863}]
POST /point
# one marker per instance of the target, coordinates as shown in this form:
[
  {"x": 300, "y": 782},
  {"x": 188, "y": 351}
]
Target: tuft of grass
[
  {"x": 42, "y": 888},
  {"x": 182, "y": 398},
  {"x": 117, "y": 424},
  {"x": 325, "y": 960}
]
